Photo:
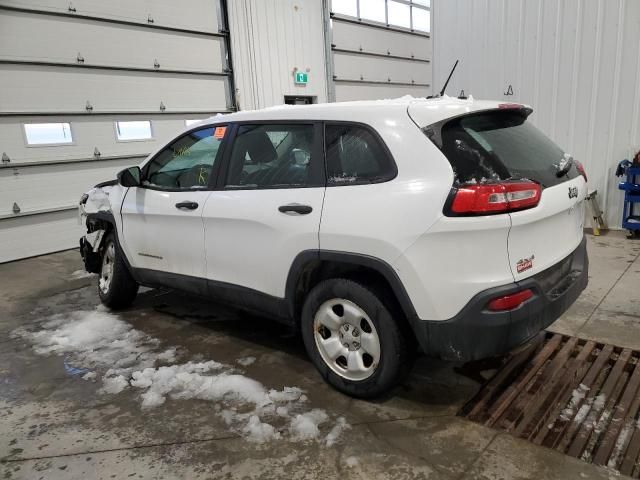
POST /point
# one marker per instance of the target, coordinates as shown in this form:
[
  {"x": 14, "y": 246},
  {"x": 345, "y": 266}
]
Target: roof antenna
[
  {"x": 446, "y": 83},
  {"x": 448, "y": 78}
]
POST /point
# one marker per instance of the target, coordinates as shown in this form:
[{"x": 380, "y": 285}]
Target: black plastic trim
[
  {"x": 380, "y": 266},
  {"x": 239, "y": 297}
]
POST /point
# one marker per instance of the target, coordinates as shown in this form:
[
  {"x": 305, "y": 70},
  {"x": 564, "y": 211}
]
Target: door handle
[
  {"x": 187, "y": 205},
  {"x": 296, "y": 208}
]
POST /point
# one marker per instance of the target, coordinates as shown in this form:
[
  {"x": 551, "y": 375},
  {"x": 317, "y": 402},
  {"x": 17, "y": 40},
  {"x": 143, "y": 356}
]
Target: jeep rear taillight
[{"x": 492, "y": 198}]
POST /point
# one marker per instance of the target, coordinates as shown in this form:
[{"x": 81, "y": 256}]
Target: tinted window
[
  {"x": 188, "y": 162},
  {"x": 501, "y": 145},
  {"x": 272, "y": 156},
  {"x": 354, "y": 155}
]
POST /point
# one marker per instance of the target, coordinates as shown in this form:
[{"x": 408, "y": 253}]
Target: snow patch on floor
[
  {"x": 334, "y": 435},
  {"x": 78, "y": 274},
  {"x": 352, "y": 461},
  {"x": 577, "y": 395},
  {"x": 246, "y": 361},
  {"x": 620, "y": 445},
  {"x": 305, "y": 426},
  {"x": 130, "y": 359}
]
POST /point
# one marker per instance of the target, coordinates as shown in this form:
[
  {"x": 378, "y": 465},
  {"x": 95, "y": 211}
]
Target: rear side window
[
  {"x": 502, "y": 145},
  {"x": 274, "y": 156},
  {"x": 355, "y": 156}
]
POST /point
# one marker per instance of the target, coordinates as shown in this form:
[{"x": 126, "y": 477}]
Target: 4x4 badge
[
  {"x": 525, "y": 264},
  {"x": 573, "y": 192}
]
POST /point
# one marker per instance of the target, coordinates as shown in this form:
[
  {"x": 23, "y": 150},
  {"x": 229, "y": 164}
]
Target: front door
[
  {"x": 162, "y": 219},
  {"x": 269, "y": 208}
]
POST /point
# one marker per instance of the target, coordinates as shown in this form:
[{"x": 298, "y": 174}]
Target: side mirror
[{"x": 129, "y": 177}]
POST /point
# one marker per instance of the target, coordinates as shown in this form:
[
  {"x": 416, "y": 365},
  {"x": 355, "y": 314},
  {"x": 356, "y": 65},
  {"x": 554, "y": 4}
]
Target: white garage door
[
  {"x": 380, "y": 49},
  {"x": 88, "y": 87}
]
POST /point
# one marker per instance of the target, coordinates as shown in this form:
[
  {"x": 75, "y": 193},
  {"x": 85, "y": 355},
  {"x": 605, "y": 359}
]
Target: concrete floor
[{"x": 55, "y": 425}]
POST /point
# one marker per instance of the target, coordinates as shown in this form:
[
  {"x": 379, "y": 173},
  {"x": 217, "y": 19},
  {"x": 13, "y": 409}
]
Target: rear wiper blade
[{"x": 563, "y": 167}]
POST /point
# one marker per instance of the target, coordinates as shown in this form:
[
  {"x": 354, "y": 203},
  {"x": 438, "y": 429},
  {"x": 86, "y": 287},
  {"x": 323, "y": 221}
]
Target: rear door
[
  {"x": 268, "y": 208},
  {"x": 505, "y": 146}
]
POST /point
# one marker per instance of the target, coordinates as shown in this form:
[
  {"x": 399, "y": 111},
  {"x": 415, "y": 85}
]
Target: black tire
[
  {"x": 122, "y": 288},
  {"x": 396, "y": 348}
]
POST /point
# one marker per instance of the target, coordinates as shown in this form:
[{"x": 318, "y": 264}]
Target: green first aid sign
[{"x": 302, "y": 78}]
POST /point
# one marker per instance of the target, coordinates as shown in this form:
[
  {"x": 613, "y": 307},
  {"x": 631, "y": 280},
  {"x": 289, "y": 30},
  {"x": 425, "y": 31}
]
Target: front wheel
[
  {"x": 116, "y": 288},
  {"x": 353, "y": 339}
]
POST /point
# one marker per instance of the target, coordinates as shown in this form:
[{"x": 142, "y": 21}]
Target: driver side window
[{"x": 187, "y": 163}]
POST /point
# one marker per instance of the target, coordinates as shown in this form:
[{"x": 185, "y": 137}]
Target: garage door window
[
  {"x": 135, "y": 130},
  {"x": 274, "y": 156},
  {"x": 188, "y": 162},
  {"x": 356, "y": 156},
  {"x": 45, "y": 134}
]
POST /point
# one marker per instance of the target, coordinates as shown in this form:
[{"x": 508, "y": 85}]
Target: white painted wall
[
  {"x": 271, "y": 38},
  {"x": 576, "y": 62}
]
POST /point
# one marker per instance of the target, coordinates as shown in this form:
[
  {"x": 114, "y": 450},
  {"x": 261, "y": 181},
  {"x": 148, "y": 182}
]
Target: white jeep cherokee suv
[{"x": 373, "y": 226}]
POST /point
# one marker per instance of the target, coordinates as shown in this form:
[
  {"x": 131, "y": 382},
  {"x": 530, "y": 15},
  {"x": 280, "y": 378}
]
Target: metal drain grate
[{"x": 576, "y": 396}]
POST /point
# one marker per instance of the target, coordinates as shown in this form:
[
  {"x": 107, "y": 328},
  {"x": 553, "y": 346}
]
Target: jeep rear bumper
[{"x": 477, "y": 333}]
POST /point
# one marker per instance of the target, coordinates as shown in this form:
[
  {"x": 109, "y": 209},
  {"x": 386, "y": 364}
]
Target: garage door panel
[
  {"x": 88, "y": 133},
  {"x": 61, "y": 39},
  {"x": 43, "y": 187},
  {"x": 199, "y": 15},
  {"x": 361, "y": 91},
  {"x": 25, "y": 88},
  {"x": 349, "y": 36},
  {"x": 38, "y": 234},
  {"x": 354, "y": 66}
]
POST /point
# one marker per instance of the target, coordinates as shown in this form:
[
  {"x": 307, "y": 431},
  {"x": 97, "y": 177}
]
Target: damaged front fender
[{"x": 94, "y": 208}]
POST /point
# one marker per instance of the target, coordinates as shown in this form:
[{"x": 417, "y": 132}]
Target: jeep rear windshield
[{"x": 499, "y": 145}]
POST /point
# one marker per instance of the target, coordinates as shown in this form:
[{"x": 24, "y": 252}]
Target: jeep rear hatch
[{"x": 505, "y": 165}]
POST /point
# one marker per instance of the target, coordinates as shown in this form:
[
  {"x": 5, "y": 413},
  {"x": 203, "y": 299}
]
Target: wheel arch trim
[{"x": 305, "y": 258}]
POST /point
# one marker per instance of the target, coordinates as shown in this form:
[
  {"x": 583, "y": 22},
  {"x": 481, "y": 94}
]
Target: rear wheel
[
  {"x": 353, "y": 339},
  {"x": 116, "y": 288}
]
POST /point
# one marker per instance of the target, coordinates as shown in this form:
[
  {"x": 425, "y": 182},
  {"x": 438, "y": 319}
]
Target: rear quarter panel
[{"x": 383, "y": 219}]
